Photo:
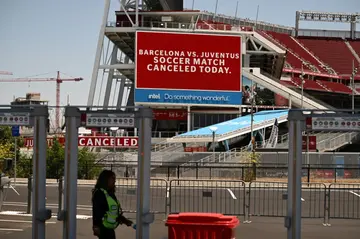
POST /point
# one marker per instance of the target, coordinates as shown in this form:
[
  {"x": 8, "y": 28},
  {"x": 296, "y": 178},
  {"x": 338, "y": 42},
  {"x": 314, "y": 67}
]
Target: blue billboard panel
[{"x": 185, "y": 97}]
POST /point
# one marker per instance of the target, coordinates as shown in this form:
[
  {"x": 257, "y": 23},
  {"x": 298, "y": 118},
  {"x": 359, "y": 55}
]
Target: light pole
[
  {"x": 302, "y": 86},
  {"x": 253, "y": 102},
  {"x": 213, "y": 131},
  {"x": 354, "y": 71},
  {"x": 216, "y": 7}
]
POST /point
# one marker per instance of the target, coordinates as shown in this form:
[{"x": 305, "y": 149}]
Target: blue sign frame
[
  {"x": 15, "y": 131},
  {"x": 187, "y": 97}
]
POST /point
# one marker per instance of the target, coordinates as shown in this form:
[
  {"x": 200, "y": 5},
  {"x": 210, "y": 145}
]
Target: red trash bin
[{"x": 201, "y": 226}]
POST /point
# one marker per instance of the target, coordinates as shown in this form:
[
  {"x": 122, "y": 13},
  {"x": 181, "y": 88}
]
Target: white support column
[
  {"x": 136, "y": 13},
  {"x": 110, "y": 78},
  {"x": 94, "y": 76},
  {"x": 121, "y": 94}
]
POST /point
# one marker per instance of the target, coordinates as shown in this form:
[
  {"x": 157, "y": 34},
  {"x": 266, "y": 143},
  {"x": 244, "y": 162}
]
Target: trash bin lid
[{"x": 202, "y": 218}]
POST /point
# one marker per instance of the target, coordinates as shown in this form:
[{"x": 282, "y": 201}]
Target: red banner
[
  {"x": 195, "y": 149},
  {"x": 100, "y": 141},
  {"x": 312, "y": 143},
  {"x": 188, "y": 61},
  {"x": 170, "y": 114}
]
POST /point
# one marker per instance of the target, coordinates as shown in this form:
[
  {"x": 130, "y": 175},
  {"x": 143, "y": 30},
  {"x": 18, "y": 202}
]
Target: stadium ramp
[
  {"x": 232, "y": 128},
  {"x": 254, "y": 74}
]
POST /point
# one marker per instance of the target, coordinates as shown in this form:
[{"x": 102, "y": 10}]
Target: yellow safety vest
[{"x": 111, "y": 216}]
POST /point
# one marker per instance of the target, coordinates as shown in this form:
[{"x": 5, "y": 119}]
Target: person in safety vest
[{"x": 107, "y": 212}]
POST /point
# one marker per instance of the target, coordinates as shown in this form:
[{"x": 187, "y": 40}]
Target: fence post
[
  {"x": 28, "y": 209},
  {"x": 248, "y": 205},
  {"x": 60, "y": 194},
  {"x": 197, "y": 170},
  {"x": 328, "y": 206},
  {"x": 308, "y": 173},
  {"x": 178, "y": 174}
]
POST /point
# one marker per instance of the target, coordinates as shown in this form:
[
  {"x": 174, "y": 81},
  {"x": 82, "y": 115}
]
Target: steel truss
[
  {"x": 315, "y": 16},
  {"x": 114, "y": 69}
]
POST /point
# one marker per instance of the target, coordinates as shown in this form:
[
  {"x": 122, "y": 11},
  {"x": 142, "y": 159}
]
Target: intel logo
[{"x": 154, "y": 97}]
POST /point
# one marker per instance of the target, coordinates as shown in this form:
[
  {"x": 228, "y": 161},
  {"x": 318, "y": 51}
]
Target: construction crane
[{"x": 58, "y": 81}]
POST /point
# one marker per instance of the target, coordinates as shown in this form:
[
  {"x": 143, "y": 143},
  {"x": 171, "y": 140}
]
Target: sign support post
[
  {"x": 15, "y": 131},
  {"x": 143, "y": 216},
  {"x": 141, "y": 119},
  {"x": 293, "y": 217},
  {"x": 40, "y": 213},
  {"x": 72, "y": 117},
  {"x": 309, "y": 120}
]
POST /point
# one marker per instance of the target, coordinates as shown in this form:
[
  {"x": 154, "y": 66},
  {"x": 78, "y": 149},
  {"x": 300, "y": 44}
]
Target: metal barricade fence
[
  {"x": 216, "y": 196},
  {"x": 269, "y": 199},
  {"x": 344, "y": 201},
  {"x": 126, "y": 191}
]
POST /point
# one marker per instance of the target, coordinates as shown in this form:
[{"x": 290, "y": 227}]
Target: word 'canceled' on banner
[
  {"x": 93, "y": 141},
  {"x": 188, "y": 61}
]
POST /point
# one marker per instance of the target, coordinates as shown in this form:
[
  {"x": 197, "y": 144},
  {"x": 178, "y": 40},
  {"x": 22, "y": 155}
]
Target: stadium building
[{"x": 183, "y": 64}]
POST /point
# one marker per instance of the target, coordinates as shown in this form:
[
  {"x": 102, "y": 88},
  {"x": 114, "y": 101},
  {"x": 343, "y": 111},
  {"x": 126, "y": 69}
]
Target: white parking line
[
  {"x": 354, "y": 193},
  {"x": 231, "y": 193},
  {"x": 21, "y": 221},
  {"x": 11, "y": 230},
  {"x": 21, "y": 214}
]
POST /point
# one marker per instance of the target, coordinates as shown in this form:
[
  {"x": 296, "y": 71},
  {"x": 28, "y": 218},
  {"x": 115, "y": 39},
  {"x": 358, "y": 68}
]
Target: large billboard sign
[{"x": 188, "y": 68}]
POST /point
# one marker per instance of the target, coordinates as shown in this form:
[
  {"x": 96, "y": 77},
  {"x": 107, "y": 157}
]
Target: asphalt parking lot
[
  {"x": 259, "y": 228},
  {"x": 12, "y": 224},
  {"x": 232, "y": 199},
  {"x": 264, "y": 203}
]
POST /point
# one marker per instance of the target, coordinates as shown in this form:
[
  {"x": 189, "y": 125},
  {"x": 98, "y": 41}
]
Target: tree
[
  {"x": 252, "y": 159},
  {"x": 55, "y": 160},
  {"x": 7, "y": 146},
  {"x": 87, "y": 168}
]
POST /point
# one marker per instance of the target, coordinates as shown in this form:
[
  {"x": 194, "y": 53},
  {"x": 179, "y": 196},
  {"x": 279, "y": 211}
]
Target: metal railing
[
  {"x": 238, "y": 198},
  {"x": 261, "y": 198}
]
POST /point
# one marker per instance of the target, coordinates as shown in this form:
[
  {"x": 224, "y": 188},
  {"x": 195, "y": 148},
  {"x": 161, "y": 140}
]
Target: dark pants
[{"x": 107, "y": 233}]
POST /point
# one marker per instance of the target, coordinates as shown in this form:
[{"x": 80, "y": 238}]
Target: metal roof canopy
[
  {"x": 300, "y": 120},
  {"x": 186, "y": 16}
]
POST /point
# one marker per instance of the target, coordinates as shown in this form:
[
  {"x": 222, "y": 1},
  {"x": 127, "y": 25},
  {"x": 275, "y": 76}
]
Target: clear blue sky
[{"x": 41, "y": 36}]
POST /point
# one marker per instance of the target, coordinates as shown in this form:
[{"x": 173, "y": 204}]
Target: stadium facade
[{"x": 183, "y": 64}]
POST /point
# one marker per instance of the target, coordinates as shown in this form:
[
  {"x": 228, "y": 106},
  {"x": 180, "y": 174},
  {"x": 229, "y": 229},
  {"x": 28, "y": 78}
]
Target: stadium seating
[
  {"x": 356, "y": 46},
  {"x": 332, "y": 51},
  {"x": 335, "y": 87},
  {"x": 291, "y": 44},
  {"x": 309, "y": 84},
  {"x": 289, "y": 83}
]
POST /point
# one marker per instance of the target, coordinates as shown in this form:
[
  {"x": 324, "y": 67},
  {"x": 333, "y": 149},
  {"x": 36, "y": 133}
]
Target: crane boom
[{"x": 58, "y": 81}]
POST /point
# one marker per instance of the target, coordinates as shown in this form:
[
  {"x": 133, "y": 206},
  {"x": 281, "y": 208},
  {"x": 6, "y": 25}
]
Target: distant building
[{"x": 30, "y": 99}]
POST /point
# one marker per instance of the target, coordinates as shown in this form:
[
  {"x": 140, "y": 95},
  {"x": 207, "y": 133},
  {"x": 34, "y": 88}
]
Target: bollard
[{"x": 28, "y": 209}]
